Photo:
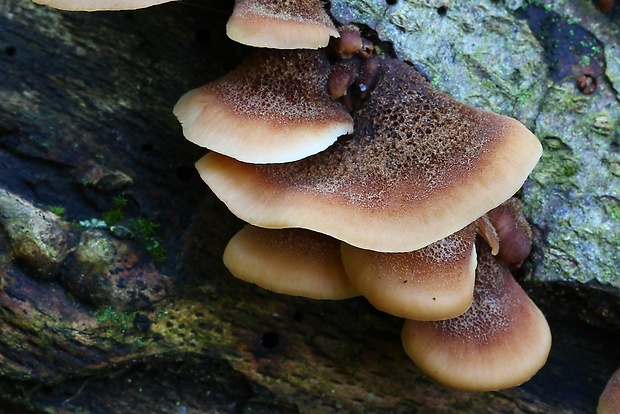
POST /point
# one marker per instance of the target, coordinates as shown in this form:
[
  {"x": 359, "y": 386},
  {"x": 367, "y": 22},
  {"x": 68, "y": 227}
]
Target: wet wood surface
[{"x": 85, "y": 121}]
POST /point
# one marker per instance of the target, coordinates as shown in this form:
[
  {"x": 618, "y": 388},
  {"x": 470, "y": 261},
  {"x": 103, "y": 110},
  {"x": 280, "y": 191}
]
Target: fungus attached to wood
[
  {"x": 275, "y": 107},
  {"x": 500, "y": 342},
  {"x": 419, "y": 167},
  {"x": 100, "y": 5},
  {"x": 295, "y": 262},
  {"x": 513, "y": 231},
  {"x": 281, "y": 24},
  {"x": 609, "y": 401},
  {"x": 433, "y": 283}
]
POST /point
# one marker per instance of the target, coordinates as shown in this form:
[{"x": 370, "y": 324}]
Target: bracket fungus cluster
[{"x": 357, "y": 177}]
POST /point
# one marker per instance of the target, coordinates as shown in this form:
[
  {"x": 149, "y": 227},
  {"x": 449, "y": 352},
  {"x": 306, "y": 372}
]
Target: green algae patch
[{"x": 572, "y": 195}]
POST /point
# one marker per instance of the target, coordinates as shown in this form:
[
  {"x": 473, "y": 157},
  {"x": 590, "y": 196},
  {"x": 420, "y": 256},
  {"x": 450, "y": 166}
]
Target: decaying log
[{"x": 88, "y": 145}]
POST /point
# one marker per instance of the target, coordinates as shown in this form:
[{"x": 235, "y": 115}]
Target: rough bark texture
[{"x": 126, "y": 306}]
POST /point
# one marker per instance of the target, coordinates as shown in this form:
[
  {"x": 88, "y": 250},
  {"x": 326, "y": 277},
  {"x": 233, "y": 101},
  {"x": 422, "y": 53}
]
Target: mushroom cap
[
  {"x": 500, "y": 342},
  {"x": 294, "y": 262},
  {"x": 609, "y": 401},
  {"x": 433, "y": 283},
  {"x": 281, "y": 24},
  {"x": 419, "y": 167},
  {"x": 99, "y": 5},
  {"x": 349, "y": 43},
  {"x": 513, "y": 231},
  {"x": 273, "y": 108}
]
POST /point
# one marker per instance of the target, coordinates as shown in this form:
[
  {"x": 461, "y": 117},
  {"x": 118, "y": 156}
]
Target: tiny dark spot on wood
[
  {"x": 298, "y": 316},
  {"x": 442, "y": 10},
  {"x": 147, "y": 147},
  {"x": 22, "y": 298},
  {"x": 142, "y": 323},
  {"x": 391, "y": 2},
  {"x": 270, "y": 339},
  {"x": 10, "y": 51}
]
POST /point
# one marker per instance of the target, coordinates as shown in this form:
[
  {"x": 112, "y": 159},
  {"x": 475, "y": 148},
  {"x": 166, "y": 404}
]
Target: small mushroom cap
[
  {"x": 513, "y": 231},
  {"x": 274, "y": 108},
  {"x": 419, "y": 167},
  {"x": 100, "y": 5},
  {"x": 281, "y": 24},
  {"x": 500, "y": 342},
  {"x": 609, "y": 401},
  {"x": 349, "y": 43},
  {"x": 294, "y": 262},
  {"x": 433, "y": 283}
]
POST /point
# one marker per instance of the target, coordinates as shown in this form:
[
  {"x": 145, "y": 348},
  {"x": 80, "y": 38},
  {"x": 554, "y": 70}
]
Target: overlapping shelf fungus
[{"x": 357, "y": 177}]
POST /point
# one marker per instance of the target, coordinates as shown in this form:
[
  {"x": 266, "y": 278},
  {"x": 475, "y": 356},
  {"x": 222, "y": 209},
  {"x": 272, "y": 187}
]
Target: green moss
[
  {"x": 613, "y": 211},
  {"x": 141, "y": 229},
  {"x": 120, "y": 322},
  {"x": 146, "y": 230},
  {"x": 116, "y": 213},
  {"x": 58, "y": 210}
]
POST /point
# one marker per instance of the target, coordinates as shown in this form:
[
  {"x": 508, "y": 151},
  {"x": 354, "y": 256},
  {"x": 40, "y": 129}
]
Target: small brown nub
[{"x": 513, "y": 230}]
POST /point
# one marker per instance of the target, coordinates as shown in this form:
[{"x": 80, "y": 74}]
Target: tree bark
[{"x": 128, "y": 308}]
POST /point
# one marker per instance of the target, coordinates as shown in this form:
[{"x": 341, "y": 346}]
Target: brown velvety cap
[
  {"x": 500, "y": 342},
  {"x": 433, "y": 283},
  {"x": 294, "y": 262},
  {"x": 609, "y": 402},
  {"x": 281, "y": 24},
  {"x": 274, "y": 108},
  {"x": 419, "y": 167},
  {"x": 97, "y": 5}
]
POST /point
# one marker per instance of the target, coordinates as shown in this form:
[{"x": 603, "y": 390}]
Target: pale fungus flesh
[
  {"x": 419, "y": 167},
  {"x": 273, "y": 108},
  {"x": 500, "y": 342},
  {"x": 100, "y": 5},
  {"x": 432, "y": 283},
  {"x": 281, "y": 24},
  {"x": 609, "y": 401},
  {"x": 485, "y": 229},
  {"x": 294, "y": 262}
]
